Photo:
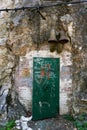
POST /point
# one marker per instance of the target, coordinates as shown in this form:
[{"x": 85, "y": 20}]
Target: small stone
[
  {"x": 18, "y": 127},
  {"x": 75, "y": 128}
]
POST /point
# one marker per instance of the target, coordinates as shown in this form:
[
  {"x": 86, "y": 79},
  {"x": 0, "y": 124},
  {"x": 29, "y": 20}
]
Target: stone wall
[
  {"x": 79, "y": 57},
  {"x": 25, "y": 34}
]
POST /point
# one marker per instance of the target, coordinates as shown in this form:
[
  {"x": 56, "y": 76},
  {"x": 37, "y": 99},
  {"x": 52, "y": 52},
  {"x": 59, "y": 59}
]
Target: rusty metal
[
  {"x": 63, "y": 37},
  {"x": 52, "y": 38}
]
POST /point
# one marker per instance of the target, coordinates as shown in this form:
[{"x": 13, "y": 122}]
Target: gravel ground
[{"x": 58, "y": 123}]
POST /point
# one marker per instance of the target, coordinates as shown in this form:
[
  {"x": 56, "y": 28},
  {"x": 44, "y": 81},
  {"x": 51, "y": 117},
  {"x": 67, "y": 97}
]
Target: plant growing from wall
[
  {"x": 79, "y": 122},
  {"x": 9, "y": 125}
]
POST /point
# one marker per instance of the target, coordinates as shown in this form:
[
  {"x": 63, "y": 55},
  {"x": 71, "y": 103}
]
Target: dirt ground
[{"x": 58, "y": 123}]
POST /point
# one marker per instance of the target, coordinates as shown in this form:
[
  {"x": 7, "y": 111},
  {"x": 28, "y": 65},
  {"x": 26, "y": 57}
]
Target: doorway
[{"x": 45, "y": 100}]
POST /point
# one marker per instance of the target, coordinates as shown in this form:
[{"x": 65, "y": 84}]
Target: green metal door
[{"x": 45, "y": 102}]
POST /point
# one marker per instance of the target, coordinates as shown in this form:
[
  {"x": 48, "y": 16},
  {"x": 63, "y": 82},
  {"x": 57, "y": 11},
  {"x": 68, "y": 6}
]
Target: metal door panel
[{"x": 45, "y": 102}]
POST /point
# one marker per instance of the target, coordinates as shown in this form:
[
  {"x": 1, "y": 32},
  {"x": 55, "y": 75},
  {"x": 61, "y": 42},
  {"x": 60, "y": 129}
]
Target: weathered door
[{"x": 45, "y": 102}]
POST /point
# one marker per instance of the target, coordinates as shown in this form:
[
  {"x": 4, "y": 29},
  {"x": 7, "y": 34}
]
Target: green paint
[{"x": 45, "y": 87}]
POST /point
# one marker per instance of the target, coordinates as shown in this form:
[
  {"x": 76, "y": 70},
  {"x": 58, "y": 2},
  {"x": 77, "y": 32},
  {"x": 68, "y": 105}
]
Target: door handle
[{"x": 46, "y": 88}]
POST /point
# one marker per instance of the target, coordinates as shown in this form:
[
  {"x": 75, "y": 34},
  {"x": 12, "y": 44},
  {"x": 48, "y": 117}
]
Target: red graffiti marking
[
  {"x": 45, "y": 71},
  {"x": 42, "y": 73}
]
